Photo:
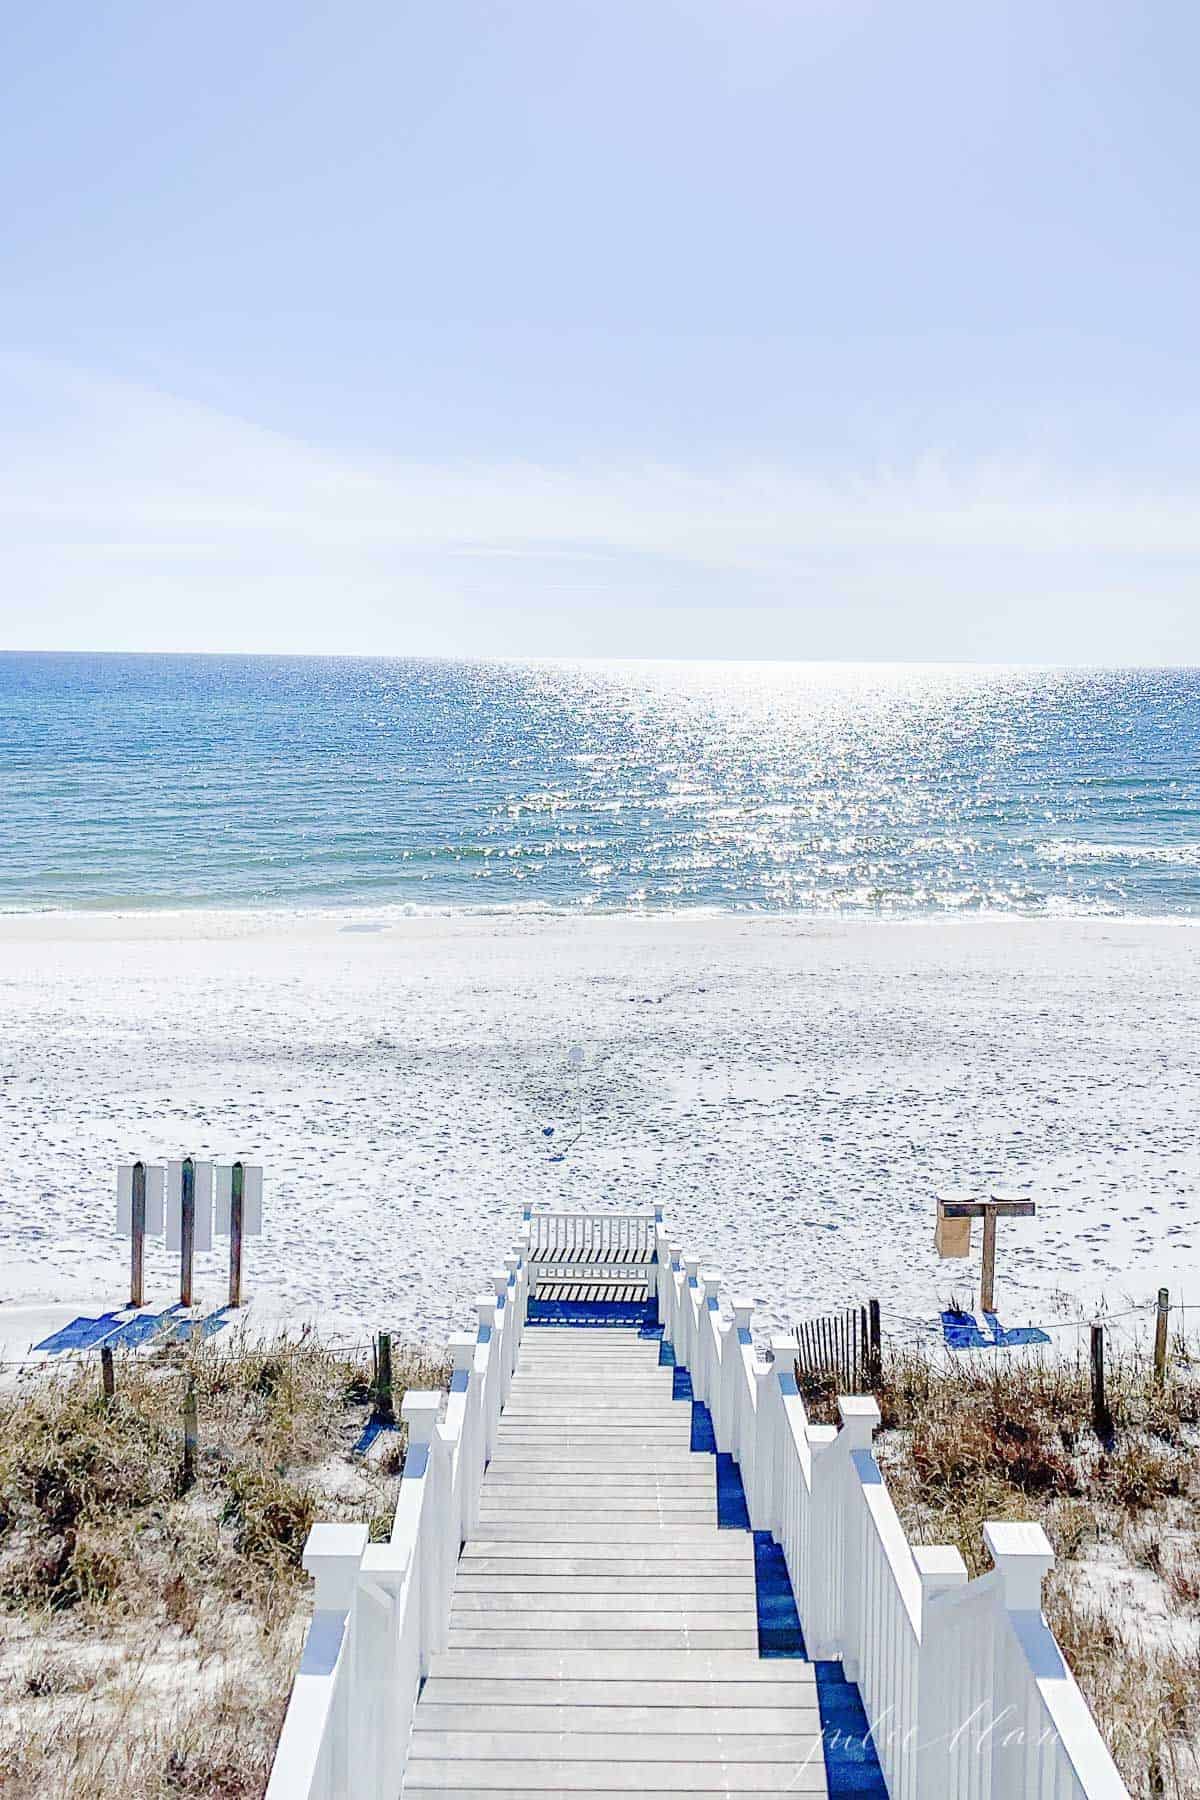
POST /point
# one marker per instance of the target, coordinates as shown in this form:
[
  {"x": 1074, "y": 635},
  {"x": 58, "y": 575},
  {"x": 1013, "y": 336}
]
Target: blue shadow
[
  {"x": 80, "y": 1334},
  {"x": 851, "y": 1763},
  {"x": 595, "y": 1312},
  {"x": 204, "y": 1328},
  {"x": 962, "y": 1333},
  {"x": 732, "y": 1511},
  {"x": 114, "y": 1333},
  {"x": 1018, "y": 1334},
  {"x": 371, "y": 1430},
  {"x": 136, "y": 1332},
  {"x": 703, "y": 1436},
  {"x": 779, "y": 1632}
]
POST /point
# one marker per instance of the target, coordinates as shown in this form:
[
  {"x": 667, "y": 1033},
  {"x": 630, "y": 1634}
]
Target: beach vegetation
[{"x": 150, "y": 1626}]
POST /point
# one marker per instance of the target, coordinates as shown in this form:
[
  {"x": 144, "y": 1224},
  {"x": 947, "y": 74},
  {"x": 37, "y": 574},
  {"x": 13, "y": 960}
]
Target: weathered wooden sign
[{"x": 956, "y": 1210}]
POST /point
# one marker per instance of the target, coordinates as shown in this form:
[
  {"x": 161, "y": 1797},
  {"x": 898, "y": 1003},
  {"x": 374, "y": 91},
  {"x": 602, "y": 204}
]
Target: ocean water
[{"x": 168, "y": 781}]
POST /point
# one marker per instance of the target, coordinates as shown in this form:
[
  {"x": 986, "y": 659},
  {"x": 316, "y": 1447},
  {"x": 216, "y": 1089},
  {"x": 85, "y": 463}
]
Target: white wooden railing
[
  {"x": 965, "y": 1690},
  {"x": 381, "y": 1611}
]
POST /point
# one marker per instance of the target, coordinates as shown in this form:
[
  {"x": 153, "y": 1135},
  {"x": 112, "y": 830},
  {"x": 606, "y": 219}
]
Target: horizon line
[{"x": 881, "y": 662}]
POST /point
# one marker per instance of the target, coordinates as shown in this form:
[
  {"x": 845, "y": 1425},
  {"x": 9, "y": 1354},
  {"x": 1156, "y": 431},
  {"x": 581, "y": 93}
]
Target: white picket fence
[{"x": 964, "y": 1687}]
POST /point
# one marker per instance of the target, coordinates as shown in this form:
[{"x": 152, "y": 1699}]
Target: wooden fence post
[
  {"x": 1160, "y": 1336},
  {"x": 137, "y": 1236},
  {"x": 190, "y": 1437},
  {"x": 876, "y": 1337},
  {"x": 1101, "y": 1418},
  {"x": 237, "y": 1182},
  {"x": 108, "y": 1380},
  {"x": 187, "y": 1230},
  {"x": 384, "y": 1405}
]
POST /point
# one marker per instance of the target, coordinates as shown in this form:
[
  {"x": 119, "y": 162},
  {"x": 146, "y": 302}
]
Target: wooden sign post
[
  {"x": 239, "y": 1214},
  {"x": 139, "y": 1215},
  {"x": 189, "y": 1216},
  {"x": 237, "y": 1185},
  {"x": 1006, "y": 1206},
  {"x": 137, "y": 1236},
  {"x": 187, "y": 1231}
]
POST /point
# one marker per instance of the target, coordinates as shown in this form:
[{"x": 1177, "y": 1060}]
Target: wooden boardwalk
[{"x": 603, "y": 1634}]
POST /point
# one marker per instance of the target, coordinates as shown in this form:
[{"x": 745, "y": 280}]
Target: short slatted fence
[{"x": 845, "y": 1346}]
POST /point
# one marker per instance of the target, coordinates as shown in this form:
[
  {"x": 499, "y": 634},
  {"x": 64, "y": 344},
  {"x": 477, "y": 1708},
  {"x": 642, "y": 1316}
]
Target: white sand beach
[{"x": 795, "y": 1091}]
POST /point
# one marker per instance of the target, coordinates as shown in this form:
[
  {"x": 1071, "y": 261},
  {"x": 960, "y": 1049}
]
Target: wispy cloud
[{"x": 96, "y": 473}]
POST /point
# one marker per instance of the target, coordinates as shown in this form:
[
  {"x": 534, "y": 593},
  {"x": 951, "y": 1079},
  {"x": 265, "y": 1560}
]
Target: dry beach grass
[{"x": 148, "y": 1636}]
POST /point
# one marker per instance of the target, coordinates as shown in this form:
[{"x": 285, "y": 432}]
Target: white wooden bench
[{"x": 590, "y": 1256}]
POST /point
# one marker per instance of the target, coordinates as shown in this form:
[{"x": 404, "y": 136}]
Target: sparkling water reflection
[{"x": 149, "y": 781}]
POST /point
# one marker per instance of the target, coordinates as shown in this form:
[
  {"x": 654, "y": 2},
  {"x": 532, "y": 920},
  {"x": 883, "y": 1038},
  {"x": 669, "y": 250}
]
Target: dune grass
[{"x": 149, "y": 1635}]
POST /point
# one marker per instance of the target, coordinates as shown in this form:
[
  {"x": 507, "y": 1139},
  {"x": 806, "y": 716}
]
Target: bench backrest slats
[{"x": 589, "y": 1238}]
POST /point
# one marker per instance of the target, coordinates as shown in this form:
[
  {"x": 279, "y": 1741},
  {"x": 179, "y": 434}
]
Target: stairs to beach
[
  {"x": 618, "y": 1540},
  {"x": 604, "y": 1631}
]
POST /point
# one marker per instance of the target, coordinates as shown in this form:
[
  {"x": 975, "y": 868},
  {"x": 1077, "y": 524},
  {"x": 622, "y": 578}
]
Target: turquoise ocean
[{"x": 134, "y": 782}]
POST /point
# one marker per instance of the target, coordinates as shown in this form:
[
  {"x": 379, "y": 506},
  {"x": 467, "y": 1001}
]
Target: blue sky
[{"x": 668, "y": 328}]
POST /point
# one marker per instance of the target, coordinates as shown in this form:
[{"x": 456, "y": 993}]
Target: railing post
[
  {"x": 940, "y": 1568},
  {"x": 419, "y": 1409},
  {"x": 512, "y": 1264},
  {"x": 443, "y": 1525},
  {"x": 488, "y": 1367},
  {"x": 783, "y": 1372},
  {"x": 760, "y": 1501},
  {"x": 740, "y": 1394},
  {"x": 464, "y": 1386},
  {"x": 690, "y": 1309},
  {"x": 860, "y": 1418},
  {"x": 1022, "y": 1554},
  {"x": 708, "y": 1356},
  {"x": 504, "y": 1330},
  {"x": 333, "y": 1556},
  {"x": 674, "y": 1325},
  {"x": 659, "y": 1239},
  {"x": 1023, "y": 1557},
  {"x": 381, "y": 1708}
]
